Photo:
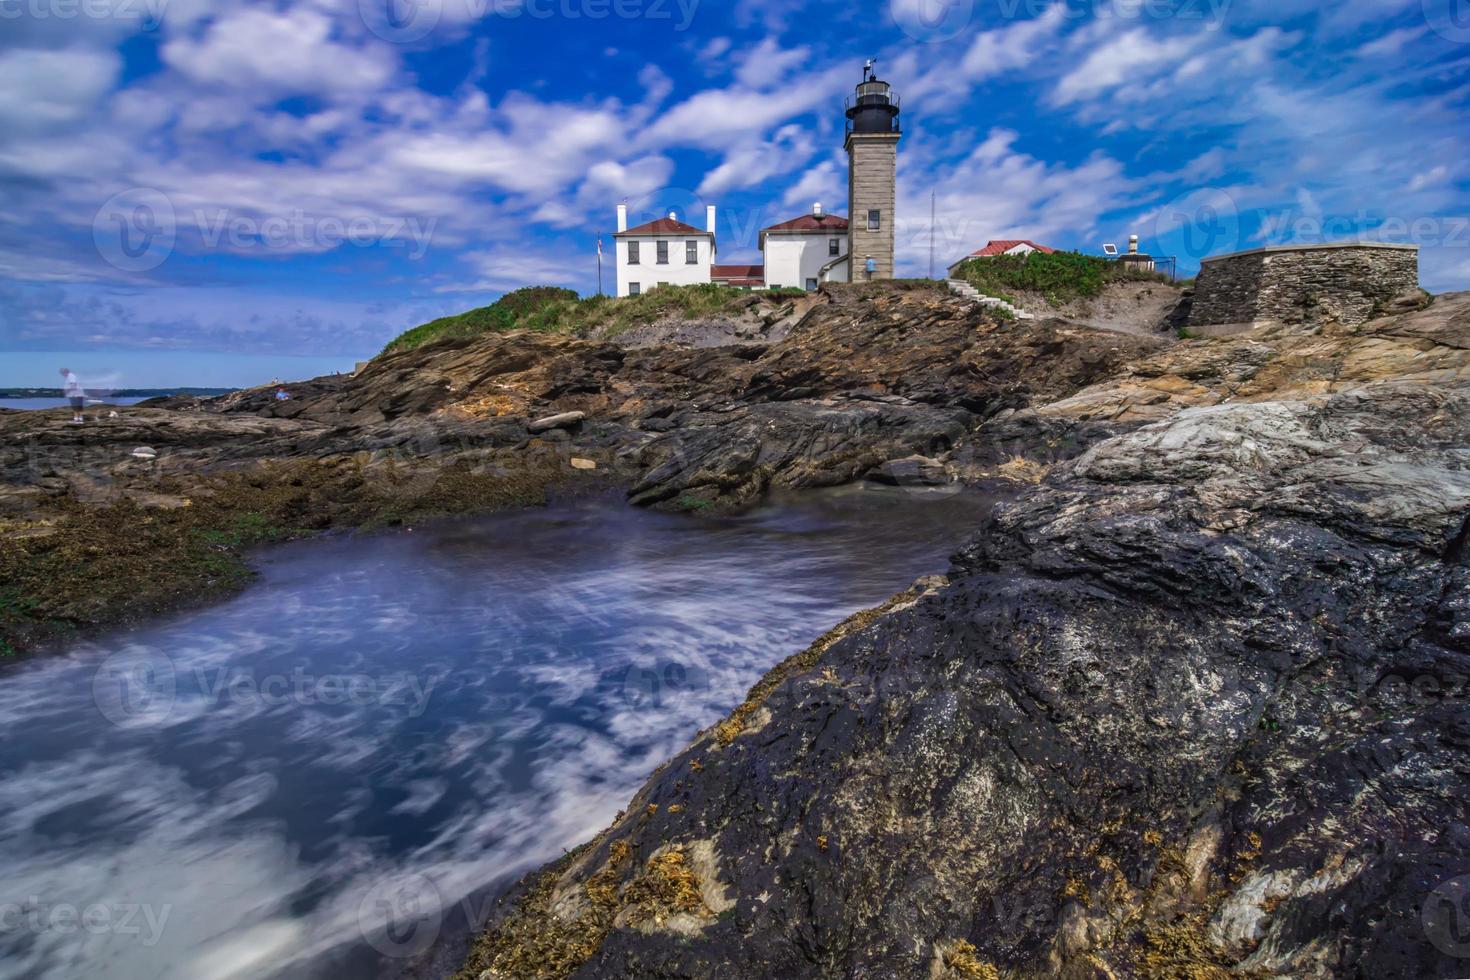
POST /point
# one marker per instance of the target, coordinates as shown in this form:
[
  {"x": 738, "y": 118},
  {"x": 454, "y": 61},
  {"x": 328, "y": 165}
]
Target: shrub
[{"x": 1059, "y": 276}]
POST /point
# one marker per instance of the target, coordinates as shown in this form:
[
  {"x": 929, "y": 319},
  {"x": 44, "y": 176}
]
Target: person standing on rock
[{"x": 74, "y": 392}]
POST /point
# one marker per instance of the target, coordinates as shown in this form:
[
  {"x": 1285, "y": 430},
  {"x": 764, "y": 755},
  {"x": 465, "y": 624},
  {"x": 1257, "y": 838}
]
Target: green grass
[
  {"x": 610, "y": 316},
  {"x": 549, "y": 309},
  {"x": 530, "y": 308},
  {"x": 1060, "y": 276}
]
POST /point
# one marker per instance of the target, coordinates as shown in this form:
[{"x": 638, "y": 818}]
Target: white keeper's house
[{"x": 801, "y": 253}]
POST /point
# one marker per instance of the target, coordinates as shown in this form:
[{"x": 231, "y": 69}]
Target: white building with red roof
[
  {"x": 663, "y": 252},
  {"x": 806, "y": 251},
  {"x": 1002, "y": 246},
  {"x": 801, "y": 253}
]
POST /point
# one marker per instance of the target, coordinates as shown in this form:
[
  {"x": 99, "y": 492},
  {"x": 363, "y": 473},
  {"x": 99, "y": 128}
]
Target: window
[
  {"x": 875, "y": 220},
  {"x": 834, "y": 247},
  {"x": 691, "y": 253},
  {"x": 635, "y": 288},
  {"x": 663, "y": 253},
  {"x": 632, "y": 253},
  {"x": 811, "y": 285}
]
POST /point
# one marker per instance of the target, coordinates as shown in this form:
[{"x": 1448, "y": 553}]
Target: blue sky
[{"x": 192, "y": 187}]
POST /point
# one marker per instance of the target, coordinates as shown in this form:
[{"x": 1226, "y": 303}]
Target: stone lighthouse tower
[{"x": 873, "y": 132}]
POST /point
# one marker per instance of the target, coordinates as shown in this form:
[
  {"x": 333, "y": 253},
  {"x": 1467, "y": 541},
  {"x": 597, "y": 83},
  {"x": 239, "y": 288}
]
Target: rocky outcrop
[
  {"x": 1197, "y": 706},
  {"x": 1431, "y": 345},
  {"x": 865, "y": 375}
]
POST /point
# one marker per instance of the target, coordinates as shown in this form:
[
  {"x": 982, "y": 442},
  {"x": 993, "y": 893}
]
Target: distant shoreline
[{"x": 117, "y": 393}]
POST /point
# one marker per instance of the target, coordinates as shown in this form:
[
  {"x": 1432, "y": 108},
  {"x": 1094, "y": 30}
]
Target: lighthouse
[{"x": 873, "y": 132}]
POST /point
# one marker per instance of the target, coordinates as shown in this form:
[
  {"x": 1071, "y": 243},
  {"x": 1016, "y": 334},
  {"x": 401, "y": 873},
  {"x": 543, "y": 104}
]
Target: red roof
[
  {"x": 663, "y": 226},
  {"x": 1004, "y": 245},
  {"x": 757, "y": 272},
  {"x": 810, "y": 222}
]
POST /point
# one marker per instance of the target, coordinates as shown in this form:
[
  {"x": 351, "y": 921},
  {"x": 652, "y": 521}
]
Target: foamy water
[{"x": 331, "y": 772}]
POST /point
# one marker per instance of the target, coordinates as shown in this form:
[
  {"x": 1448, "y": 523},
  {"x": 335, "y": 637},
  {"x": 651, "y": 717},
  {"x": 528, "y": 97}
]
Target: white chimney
[
  {"x": 709, "y": 218},
  {"x": 817, "y": 209},
  {"x": 1132, "y": 244},
  {"x": 622, "y": 217},
  {"x": 673, "y": 215}
]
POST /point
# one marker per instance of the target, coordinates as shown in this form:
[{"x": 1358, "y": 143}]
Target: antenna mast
[{"x": 933, "y": 197}]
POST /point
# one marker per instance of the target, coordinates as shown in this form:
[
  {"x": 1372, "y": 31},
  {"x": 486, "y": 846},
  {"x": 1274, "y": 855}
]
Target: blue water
[
  {"x": 327, "y": 773},
  {"x": 37, "y": 403}
]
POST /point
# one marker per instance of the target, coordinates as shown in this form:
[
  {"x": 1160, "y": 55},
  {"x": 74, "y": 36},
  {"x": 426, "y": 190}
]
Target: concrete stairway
[{"x": 969, "y": 292}]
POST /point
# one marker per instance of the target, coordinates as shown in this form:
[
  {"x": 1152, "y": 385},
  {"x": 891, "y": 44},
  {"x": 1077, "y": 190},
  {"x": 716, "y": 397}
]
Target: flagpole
[{"x": 599, "y": 265}]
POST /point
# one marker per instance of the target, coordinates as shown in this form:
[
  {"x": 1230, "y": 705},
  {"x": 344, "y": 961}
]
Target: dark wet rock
[
  {"x": 911, "y": 471},
  {"x": 1198, "y": 704}
]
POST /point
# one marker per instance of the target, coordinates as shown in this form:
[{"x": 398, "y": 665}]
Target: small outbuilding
[{"x": 1001, "y": 246}]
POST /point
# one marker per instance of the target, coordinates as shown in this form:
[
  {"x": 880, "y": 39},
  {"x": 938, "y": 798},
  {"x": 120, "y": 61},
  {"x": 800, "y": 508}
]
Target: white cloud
[
  {"x": 1432, "y": 177},
  {"x": 729, "y": 117},
  {"x": 513, "y": 266},
  {"x": 1132, "y": 57},
  {"x": 270, "y": 53},
  {"x": 757, "y": 162},
  {"x": 767, "y": 64},
  {"x": 44, "y": 90},
  {"x": 538, "y": 149},
  {"x": 825, "y": 183},
  {"x": 1392, "y": 43},
  {"x": 938, "y": 77}
]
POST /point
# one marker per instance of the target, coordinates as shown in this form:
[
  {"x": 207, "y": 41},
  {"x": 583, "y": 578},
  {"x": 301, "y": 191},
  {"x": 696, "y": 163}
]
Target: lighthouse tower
[{"x": 873, "y": 132}]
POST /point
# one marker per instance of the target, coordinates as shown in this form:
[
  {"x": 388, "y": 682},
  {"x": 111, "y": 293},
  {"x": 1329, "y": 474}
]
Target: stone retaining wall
[{"x": 1289, "y": 285}]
